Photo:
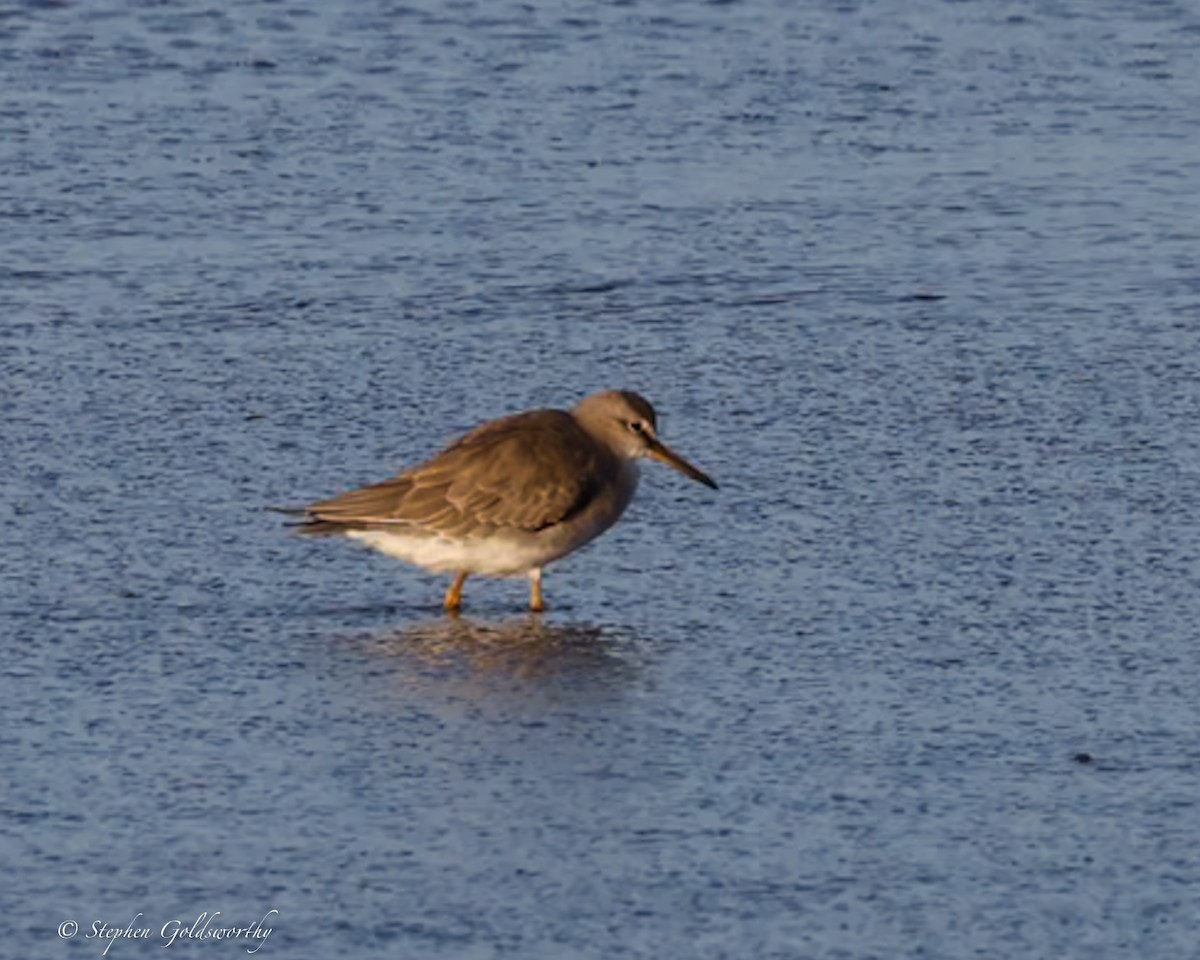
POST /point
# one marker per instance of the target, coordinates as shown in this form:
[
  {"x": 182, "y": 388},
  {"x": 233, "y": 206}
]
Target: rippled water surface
[{"x": 916, "y": 282}]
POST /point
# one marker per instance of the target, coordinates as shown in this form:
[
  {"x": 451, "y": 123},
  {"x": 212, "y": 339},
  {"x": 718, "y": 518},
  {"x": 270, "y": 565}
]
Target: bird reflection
[{"x": 522, "y": 648}]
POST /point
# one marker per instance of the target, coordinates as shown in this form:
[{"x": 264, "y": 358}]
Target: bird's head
[{"x": 626, "y": 423}]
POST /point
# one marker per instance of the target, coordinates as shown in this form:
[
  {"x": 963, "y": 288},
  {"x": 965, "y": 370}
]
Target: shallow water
[{"x": 916, "y": 283}]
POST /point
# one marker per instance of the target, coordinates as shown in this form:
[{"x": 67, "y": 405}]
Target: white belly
[
  {"x": 506, "y": 553},
  {"x": 492, "y": 557}
]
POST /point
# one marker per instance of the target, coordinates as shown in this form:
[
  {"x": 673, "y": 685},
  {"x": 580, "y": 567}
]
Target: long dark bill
[{"x": 663, "y": 454}]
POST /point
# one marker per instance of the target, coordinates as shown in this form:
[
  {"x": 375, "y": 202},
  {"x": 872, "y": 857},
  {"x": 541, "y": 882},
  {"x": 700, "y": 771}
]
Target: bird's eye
[{"x": 637, "y": 426}]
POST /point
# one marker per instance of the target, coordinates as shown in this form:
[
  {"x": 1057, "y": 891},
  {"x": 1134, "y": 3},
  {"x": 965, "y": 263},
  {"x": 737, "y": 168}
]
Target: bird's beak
[{"x": 657, "y": 450}]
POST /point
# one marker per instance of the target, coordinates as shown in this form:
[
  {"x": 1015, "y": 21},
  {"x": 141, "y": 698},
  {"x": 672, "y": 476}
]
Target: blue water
[{"x": 915, "y": 282}]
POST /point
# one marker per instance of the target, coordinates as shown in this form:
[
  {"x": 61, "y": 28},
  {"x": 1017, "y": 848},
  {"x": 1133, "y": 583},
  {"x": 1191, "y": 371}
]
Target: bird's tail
[
  {"x": 308, "y": 525},
  {"x": 289, "y": 511}
]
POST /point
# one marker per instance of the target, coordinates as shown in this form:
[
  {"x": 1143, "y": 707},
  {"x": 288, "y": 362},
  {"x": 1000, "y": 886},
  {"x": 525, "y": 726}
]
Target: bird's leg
[
  {"x": 536, "y": 603},
  {"x": 454, "y": 595}
]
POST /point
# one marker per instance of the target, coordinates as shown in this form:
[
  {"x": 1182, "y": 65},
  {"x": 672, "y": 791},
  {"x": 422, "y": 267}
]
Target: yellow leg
[
  {"x": 454, "y": 595},
  {"x": 536, "y": 604}
]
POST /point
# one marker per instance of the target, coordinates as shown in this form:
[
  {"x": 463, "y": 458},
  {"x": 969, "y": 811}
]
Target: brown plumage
[
  {"x": 511, "y": 496},
  {"x": 526, "y": 472}
]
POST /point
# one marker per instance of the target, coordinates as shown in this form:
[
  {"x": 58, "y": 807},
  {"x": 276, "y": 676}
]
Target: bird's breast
[{"x": 602, "y": 512}]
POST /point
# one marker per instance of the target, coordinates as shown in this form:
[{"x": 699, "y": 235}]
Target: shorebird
[{"x": 510, "y": 497}]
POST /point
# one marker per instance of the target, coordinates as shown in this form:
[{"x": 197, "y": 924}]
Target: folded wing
[{"x": 522, "y": 473}]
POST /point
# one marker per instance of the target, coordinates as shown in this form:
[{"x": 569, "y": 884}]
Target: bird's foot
[
  {"x": 536, "y": 603},
  {"x": 453, "y": 602}
]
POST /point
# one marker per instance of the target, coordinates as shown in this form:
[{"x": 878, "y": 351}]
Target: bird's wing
[{"x": 524, "y": 472}]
